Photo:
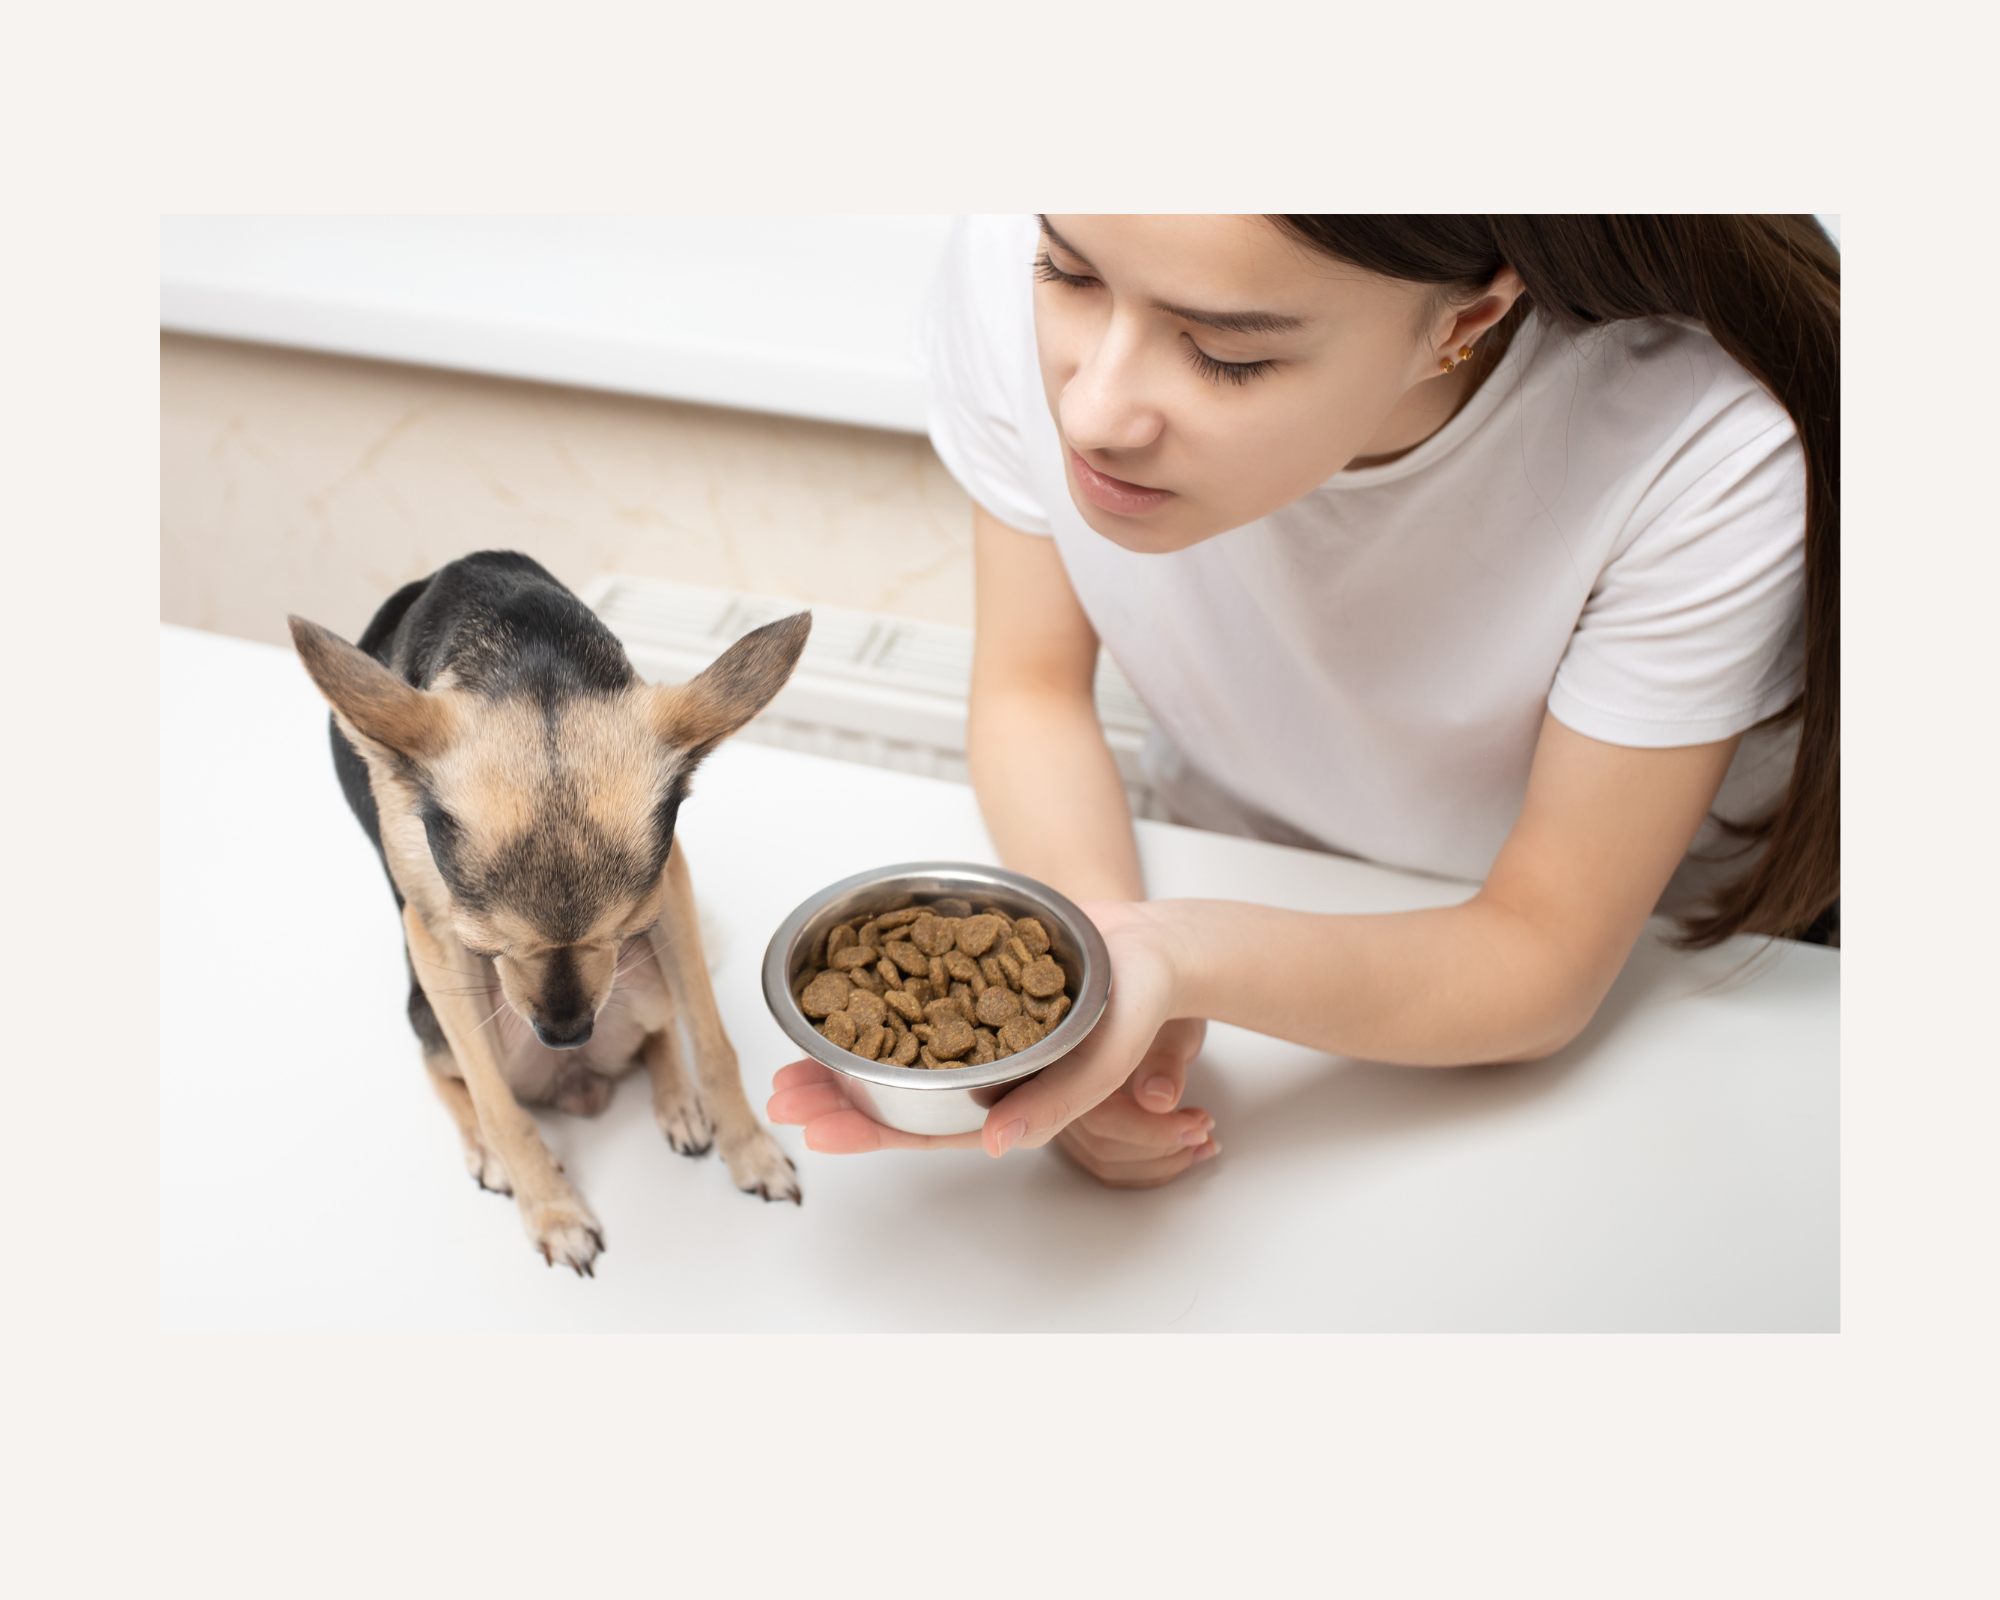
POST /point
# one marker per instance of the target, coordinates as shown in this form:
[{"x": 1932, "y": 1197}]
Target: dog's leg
[
  {"x": 756, "y": 1163},
  {"x": 486, "y": 1168},
  {"x": 559, "y": 1224},
  {"x": 676, "y": 1105}
]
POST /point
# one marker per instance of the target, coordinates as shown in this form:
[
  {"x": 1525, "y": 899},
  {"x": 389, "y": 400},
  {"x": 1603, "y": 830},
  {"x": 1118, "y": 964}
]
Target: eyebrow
[{"x": 1226, "y": 321}]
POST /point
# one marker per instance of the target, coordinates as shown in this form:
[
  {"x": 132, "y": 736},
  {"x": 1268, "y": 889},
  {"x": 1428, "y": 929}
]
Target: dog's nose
[{"x": 567, "y": 1036}]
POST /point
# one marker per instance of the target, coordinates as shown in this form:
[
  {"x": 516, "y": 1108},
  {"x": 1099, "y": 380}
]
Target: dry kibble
[
  {"x": 951, "y": 1038},
  {"x": 934, "y": 985},
  {"x": 825, "y": 994},
  {"x": 976, "y": 934},
  {"x": 1043, "y": 978},
  {"x": 1047, "y": 1012},
  {"x": 1017, "y": 1033},
  {"x": 996, "y": 1005}
]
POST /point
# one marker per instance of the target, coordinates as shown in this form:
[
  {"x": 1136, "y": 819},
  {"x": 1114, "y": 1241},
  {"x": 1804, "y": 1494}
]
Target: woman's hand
[{"x": 1115, "y": 1099}]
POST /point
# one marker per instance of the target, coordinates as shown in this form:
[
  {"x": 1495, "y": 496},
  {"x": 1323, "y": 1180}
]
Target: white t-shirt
[{"x": 1611, "y": 529}]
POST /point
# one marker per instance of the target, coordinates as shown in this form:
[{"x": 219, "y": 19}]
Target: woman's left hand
[{"x": 1120, "y": 1125}]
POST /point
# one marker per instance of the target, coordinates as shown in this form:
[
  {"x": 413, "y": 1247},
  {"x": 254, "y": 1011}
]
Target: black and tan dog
[{"x": 521, "y": 784}]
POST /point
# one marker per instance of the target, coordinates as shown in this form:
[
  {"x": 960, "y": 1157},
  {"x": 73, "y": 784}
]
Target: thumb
[{"x": 1160, "y": 1078}]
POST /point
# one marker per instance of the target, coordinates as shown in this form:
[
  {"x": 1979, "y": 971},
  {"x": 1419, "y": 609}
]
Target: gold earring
[
  {"x": 1465, "y": 352},
  {"x": 1445, "y": 364}
]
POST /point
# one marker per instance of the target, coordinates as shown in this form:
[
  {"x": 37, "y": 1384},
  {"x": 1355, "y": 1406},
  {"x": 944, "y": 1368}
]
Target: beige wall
[{"x": 297, "y": 482}]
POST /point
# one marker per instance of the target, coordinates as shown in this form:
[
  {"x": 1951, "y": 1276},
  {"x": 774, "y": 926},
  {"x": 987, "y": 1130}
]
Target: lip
[{"x": 1115, "y": 494}]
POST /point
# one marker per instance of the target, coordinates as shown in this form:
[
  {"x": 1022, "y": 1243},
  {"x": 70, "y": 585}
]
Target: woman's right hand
[{"x": 1136, "y": 1138}]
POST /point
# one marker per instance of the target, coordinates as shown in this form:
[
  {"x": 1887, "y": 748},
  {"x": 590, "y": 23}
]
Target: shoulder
[{"x": 982, "y": 380}]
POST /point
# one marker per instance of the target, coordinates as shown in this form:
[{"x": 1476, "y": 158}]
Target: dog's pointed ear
[
  {"x": 737, "y": 685},
  {"x": 379, "y": 704}
]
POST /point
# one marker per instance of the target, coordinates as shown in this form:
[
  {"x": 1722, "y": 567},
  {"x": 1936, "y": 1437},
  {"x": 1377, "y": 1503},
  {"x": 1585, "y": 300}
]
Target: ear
[
  {"x": 738, "y": 684},
  {"x": 369, "y": 695}
]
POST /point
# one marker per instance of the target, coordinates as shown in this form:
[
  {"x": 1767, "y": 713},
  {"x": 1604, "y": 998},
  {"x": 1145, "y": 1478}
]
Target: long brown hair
[{"x": 1767, "y": 288}]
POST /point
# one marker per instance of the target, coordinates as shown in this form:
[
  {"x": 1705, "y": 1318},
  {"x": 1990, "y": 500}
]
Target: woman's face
[{"x": 1204, "y": 371}]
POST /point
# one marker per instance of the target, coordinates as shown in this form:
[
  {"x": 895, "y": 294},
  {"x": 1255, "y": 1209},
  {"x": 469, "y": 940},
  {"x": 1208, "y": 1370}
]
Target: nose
[
  {"x": 566, "y": 1035},
  {"x": 1104, "y": 406}
]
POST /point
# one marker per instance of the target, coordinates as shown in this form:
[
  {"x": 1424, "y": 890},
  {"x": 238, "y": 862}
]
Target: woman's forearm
[
  {"x": 1450, "y": 987},
  {"x": 1051, "y": 795}
]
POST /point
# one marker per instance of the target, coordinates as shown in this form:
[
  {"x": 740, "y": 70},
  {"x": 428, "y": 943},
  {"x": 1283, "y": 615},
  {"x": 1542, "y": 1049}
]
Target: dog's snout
[{"x": 565, "y": 1035}]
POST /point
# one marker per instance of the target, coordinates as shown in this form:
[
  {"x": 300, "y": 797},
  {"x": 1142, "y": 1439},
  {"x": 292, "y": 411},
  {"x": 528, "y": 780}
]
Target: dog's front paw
[
  {"x": 760, "y": 1167},
  {"x": 685, "y": 1124},
  {"x": 565, "y": 1232},
  {"x": 486, "y": 1169}
]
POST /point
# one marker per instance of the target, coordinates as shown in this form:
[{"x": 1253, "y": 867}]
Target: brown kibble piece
[
  {"x": 940, "y": 979},
  {"x": 982, "y": 1048},
  {"x": 960, "y": 965},
  {"x": 962, "y": 991},
  {"x": 1047, "y": 1012},
  {"x": 906, "y": 1050},
  {"x": 951, "y": 1038},
  {"x": 862, "y": 978},
  {"x": 871, "y": 932},
  {"x": 925, "y": 1058},
  {"x": 1006, "y": 922},
  {"x": 977, "y": 983},
  {"x": 952, "y": 907},
  {"x": 899, "y": 919},
  {"x": 869, "y": 1045},
  {"x": 908, "y": 957},
  {"x": 996, "y": 1005},
  {"x": 1031, "y": 933},
  {"x": 977, "y": 934},
  {"x": 840, "y": 1029},
  {"x": 1042, "y": 978},
  {"x": 866, "y": 1009},
  {"x": 841, "y": 938},
  {"x": 890, "y": 974},
  {"x": 825, "y": 994},
  {"x": 1012, "y": 968},
  {"x": 1017, "y": 1033},
  {"x": 990, "y": 967},
  {"x": 933, "y": 935},
  {"x": 923, "y": 1031},
  {"x": 855, "y": 955},
  {"x": 904, "y": 1004},
  {"x": 1018, "y": 950},
  {"x": 918, "y": 989}
]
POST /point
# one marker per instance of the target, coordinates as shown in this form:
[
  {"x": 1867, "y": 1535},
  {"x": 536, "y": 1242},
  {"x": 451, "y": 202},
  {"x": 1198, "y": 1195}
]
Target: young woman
[{"x": 1502, "y": 548}]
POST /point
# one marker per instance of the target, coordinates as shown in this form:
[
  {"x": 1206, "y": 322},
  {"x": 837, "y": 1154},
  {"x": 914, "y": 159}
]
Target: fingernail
[
  {"x": 1197, "y": 1135},
  {"x": 1011, "y": 1135},
  {"x": 1207, "y": 1150},
  {"x": 1161, "y": 1090}
]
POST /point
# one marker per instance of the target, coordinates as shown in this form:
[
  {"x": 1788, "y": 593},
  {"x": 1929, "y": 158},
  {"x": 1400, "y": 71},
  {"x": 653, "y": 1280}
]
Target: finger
[
  {"x": 801, "y": 1072},
  {"x": 849, "y": 1132},
  {"x": 1129, "y": 1174},
  {"x": 1120, "y": 1120},
  {"x": 796, "y": 1107},
  {"x": 1040, "y": 1108},
  {"x": 1160, "y": 1079}
]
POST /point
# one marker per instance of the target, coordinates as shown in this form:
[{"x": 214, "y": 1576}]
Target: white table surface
[{"x": 1676, "y": 1168}]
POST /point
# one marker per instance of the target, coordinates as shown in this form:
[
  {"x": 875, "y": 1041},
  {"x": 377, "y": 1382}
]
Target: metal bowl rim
[{"x": 1084, "y": 1013}]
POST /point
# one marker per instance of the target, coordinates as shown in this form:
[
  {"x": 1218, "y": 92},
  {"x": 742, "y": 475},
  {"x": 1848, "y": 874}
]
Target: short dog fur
[{"x": 521, "y": 784}]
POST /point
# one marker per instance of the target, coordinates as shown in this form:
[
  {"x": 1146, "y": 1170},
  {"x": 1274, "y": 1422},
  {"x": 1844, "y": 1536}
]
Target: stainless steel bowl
[{"x": 945, "y": 1099}]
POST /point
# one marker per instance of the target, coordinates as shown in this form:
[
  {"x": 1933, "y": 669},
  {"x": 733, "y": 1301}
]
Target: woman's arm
[
  {"x": 1513, "y": 974},
  {"x": 1048, "y": 786}
]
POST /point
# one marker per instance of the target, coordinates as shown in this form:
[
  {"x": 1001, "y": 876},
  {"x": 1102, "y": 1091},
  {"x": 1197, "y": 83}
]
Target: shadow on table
[{"x": 1047, "y": 1224}]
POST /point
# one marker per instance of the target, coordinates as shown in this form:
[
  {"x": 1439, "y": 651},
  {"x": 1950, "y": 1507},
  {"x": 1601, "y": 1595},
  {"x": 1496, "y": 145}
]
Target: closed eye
[{"x": 1238, "y": 372}]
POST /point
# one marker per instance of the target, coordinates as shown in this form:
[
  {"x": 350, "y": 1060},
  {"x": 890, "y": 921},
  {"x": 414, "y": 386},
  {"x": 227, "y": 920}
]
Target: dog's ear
[
  {"x": 737, "y": 685},
  {"x": 369, "y": 695}
]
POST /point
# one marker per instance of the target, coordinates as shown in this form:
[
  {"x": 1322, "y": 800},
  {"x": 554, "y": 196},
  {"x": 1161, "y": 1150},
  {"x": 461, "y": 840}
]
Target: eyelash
[{"x": 1236, "y": 372}]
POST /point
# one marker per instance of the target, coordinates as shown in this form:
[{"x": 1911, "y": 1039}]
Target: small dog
[{"x": 521, "y": 785}]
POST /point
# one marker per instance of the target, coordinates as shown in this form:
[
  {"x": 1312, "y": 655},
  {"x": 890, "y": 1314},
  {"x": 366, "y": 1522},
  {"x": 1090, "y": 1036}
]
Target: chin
[{"x": 1159, "y": 534}]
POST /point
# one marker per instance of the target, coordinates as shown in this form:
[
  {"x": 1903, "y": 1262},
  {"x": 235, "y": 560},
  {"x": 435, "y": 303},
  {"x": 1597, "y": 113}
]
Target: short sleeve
[
  {"x": 1695, "y": 629},
  {"x": 978, "y": 342}
]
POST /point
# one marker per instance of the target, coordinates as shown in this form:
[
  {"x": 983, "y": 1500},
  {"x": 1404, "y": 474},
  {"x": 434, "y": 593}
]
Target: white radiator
[{"x": 886, "y": 691}]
